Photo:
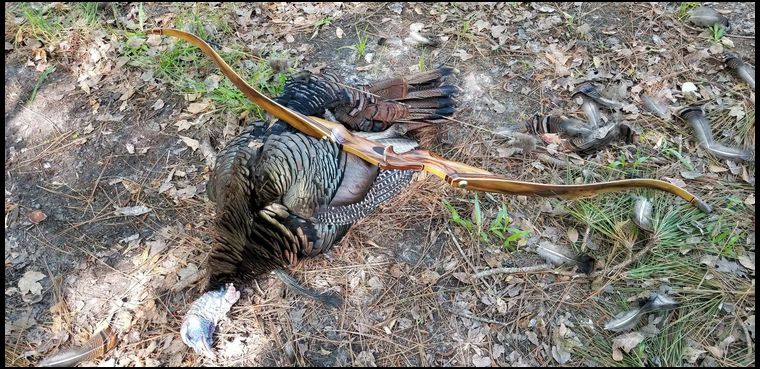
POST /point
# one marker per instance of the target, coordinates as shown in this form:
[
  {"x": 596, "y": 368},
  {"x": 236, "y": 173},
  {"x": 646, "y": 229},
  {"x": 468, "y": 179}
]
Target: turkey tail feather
[{"x": 97, "y": 346}]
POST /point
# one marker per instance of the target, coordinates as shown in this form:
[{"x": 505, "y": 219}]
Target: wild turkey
[{"x": 282, "y": 195}]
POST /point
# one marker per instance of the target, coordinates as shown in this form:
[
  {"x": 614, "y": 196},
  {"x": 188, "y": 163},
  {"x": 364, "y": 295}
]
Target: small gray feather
[
  {"x": 556, "y": 254},
  {"x": 642, "y": 213}
]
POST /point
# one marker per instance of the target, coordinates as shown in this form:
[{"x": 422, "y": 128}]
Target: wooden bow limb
[{"x": 456, "y": 174}]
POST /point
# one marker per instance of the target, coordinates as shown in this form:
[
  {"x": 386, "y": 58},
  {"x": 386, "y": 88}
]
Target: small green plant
[
  {"x": 716, "y": 32},
  {"x": 199, "y": 19},
  {"x": 683, "y": 8},
  {"x": 262, "y": 76},
  {"x": 501, "y": 227},
  {"x": 569, "y": 21},
  {"x": 421, "y": 65},
  {"x": 326, "y": 21},
  {"x": 465, "y": 27},
  {"x": 89, "y": 13},
  {"x": 640, "y": 159},
  {"x": 41, "y": 24},
  {"x": 677, "y": 155},
  {"x": 141, "y": 16},
  {"x": 361, "y": 43},
  {"x": 526, "y": 66},
  {"x": 617, "y": 164},
  {"x": 724, "y": 238},
  {"x": 43, "y": 76},
  {"x": 457, "y": 219}
]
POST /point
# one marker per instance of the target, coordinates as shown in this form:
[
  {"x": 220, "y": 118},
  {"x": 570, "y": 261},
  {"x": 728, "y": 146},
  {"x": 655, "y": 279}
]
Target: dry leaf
[
  {"x": 532, "y": 337},
  {"x": 625, "y": 342},
  {"x": 676, "y": 181},
  {"x": 191, "y": 270},
  {"x": 480, "y": 24},
  {"x": 462, "y": 54},
  {"x": 37, "y": 216},
  {"x": 737, "y": 111},
  {"x": 183, "y": 125},
  {"x": 28, "y": 283},
  {"x": 481, "y": 361},
  {"x": 428, "y": 277},
  {"x": 560, "y": 355},
  {"x": 165, "y": 186},
  {"x": 212, "y": 82},
  {"x": 691, "y": 354},
  {"x": 158, "y": 105},
  {"x": 716, "y": 168},
  {"x": 193, "y": 144},
  {"x": 186, "y": 193},
  {"x": 715, "y": 351},
  {"x": 746, "y": 262},
  {"x": 132, "y": 210},
  {"x": 132, "y": 187},
  {"x": 198, "y": 107},
  {"x": 572, "y": 235},
  {"x": 750, "y": 200},
  {"x": 365, "y": 359}
]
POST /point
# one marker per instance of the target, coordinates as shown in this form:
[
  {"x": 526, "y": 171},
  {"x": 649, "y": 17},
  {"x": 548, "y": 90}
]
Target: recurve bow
[{"x": 456, "y": 174}]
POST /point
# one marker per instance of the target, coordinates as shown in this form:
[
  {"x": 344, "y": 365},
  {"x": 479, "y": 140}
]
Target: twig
[
  {"x": 562, "y": 165},
  {"x": 94, "y": 187},
  {"x": 749, "y": 356},
  {"x": 60, "y": 193},
  {"x": 473, "y": 317},
  {"x": 45, "y": 118},
  {"x": 739, "y": 36},
  {"x": 541, "y": 268},
  {"x": 529, "y": 269},
  {"x": 56, "y": 141},
  {"x": 466, "y": 260},
  {"x": 650, "y": 244}
]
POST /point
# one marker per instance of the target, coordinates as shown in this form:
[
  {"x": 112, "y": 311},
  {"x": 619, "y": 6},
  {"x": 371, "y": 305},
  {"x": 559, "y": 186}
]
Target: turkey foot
[
  {"x": 204, "y": 314},
  {"x": 330, "y": 299}
]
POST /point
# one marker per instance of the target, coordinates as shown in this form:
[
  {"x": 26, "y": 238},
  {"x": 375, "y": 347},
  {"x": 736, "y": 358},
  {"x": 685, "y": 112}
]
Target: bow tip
[{"x": 701, "y": 205}]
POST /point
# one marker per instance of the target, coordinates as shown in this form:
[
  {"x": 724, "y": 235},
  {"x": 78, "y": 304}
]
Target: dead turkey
[{"x": 282, "y": 196}]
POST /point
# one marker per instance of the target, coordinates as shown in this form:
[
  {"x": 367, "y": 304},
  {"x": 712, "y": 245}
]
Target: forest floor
[{"x": 109, "y": 135}]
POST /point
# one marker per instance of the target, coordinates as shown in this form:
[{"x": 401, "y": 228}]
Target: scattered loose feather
[
  {"x": 642, "y": 213},
  {"x": 655, "y": 106},
  {"x": 702, "y": 130},
  {"x": 623, "y": 321},
  {"x": 416, "y": 39},
  {"x": 706, "y": 17},
  {"x": 745, "y": 71},
  {"x": 628, "y": 319},
  {"x": 556, "y": 254},
  {"x": 98, "y": 345}
]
